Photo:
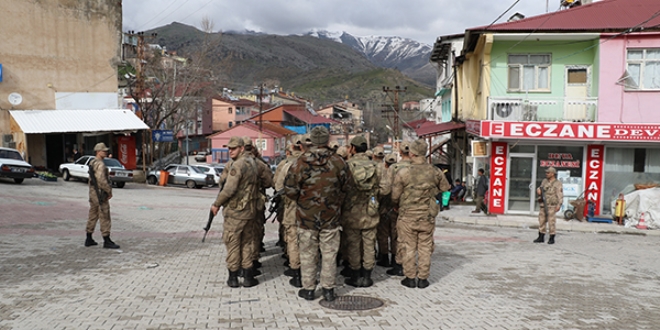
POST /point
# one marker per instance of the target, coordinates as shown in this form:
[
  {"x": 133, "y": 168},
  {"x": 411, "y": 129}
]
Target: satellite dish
[{"x": 15, "y": 98}]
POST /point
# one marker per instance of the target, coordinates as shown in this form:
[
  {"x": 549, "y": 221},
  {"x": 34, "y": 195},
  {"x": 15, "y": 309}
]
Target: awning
[
  {"x": 62, "y": 121},
  {"x": 439, "y": 129}
]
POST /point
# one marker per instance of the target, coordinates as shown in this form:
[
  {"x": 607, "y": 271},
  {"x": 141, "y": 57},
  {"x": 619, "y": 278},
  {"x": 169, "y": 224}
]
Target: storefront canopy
[
  {"x": 439, "y": 129},
  {"x": 63, "y": 121}
]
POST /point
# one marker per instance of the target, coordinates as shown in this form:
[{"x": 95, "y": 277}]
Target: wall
[
  {"x": 615, "y": 104},
  {"x": 219, "y": 141},
  {"x": 474, "y": 81},
  {"x": 221, "y": 115}
]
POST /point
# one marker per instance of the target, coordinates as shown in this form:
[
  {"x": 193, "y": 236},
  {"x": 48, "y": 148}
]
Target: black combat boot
[
  {"x": 296, "y": 280},
  {"x": 353, "y": 280},
  {"x": 423, "y": 283},
  {"x": 249, "y": 280},
  {"x": 262, "y": 247},
  {"x": 383, "y": 260},
  {"x": 397, "y": 270},
  {"x": 292, "y": 272},
  {"x": 306, "y": 294},
  {"x": 329, "y": 294},
  {"x": 540, "y": 239},
  {"x": 365, "y": 278},
  {"x": 346, "y": 272},
  {"x": 256, "y": 264},
  {"x": 409, "y": 282},
  {"x": 232, "y": 281},
  {"x": 108, "y": 243},
  {"x": 255, "y": 272},
  {"x": 552, "y": 239},
  {"x": 90, "y": 241}
]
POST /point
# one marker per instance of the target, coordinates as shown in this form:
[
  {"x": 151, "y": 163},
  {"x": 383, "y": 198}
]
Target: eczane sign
[{"x": 571, "y": 131}]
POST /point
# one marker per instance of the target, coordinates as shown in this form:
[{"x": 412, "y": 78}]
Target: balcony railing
[{"x": 545, "y": 109}]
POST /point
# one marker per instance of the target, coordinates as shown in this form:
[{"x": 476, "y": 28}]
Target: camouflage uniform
[
  {"x": 383, "y": 231},
  {"x": 389, "y": 208},
  {"x": 554, "y": 196},
  {"x": 99, "y": 211},
  {"x": 414, "y": 190},
  {"x": 265, "y": 181},
  {"x": 318, "y": 182},
  {"x": 238, "y": 198},
  {"x": 289, "y": 218}
]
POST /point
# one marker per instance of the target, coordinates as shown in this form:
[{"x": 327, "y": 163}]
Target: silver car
[{"x": 187, "y": 175}]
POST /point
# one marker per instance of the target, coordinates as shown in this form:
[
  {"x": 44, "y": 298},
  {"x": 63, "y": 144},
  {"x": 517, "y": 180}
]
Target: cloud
[{"x": 421, "y": 20}]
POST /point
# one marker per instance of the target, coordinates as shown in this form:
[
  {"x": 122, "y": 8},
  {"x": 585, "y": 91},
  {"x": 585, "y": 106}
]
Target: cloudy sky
[{"x": 421, "y": 20}]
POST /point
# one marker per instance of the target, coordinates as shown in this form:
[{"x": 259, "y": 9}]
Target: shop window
[
  {"x": 640, "y": 160},
  {"x": 568, "y": 161},
  {"x": 624, "y": 167},
  {"x": 522, "y": 149}
]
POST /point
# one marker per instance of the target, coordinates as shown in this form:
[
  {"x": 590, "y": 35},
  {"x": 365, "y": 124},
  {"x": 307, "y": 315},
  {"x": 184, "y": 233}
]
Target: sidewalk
[{"x": 462, "y": 214}]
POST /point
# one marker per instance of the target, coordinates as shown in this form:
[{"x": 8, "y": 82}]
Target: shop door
[{"x": 521, "y": 184}]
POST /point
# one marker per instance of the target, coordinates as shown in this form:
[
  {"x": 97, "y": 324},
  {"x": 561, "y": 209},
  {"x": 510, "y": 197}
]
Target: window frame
[
  {"x": 520, "y": 67},
  {"x": 642, "y": 64}
]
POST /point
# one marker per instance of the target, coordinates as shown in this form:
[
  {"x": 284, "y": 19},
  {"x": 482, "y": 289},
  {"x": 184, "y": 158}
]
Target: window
[
  {"x": 529, "y": 72},
  {"x": 644, "y": 68},
  {"x": 229, "y": 111},
  {"x": 260, "y": 144}
]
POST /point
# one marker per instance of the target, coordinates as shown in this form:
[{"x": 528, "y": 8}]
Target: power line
[
  {"x": 177, "y": 8},
  {"x": 502, "y": 14},
  {"x": 155, "y": 16}
]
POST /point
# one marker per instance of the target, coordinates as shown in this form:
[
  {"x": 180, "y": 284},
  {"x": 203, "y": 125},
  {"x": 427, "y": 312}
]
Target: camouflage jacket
[
  {"x": 241, "y": 190},
  {"x": 356, "y": 212},
  {"x": 391, "y": 172},
  {"x": 102, "y": 179},
  {"x": 289, "y": 216},
  {"x": 318, "y": 182},
  {"x": 264, "y": 179},
  {"x": 414, "y": 190},
  {"x": 554, "y": 192}
]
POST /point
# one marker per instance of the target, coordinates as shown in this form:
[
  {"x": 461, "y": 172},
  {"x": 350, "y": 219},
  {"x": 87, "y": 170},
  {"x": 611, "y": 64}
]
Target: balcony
[{"x": 543, "y": 109}]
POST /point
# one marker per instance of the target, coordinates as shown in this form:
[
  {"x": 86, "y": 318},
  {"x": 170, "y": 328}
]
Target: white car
[
  {"x": 13, "y": 166},
  {"x": 215, "y": 171},
  {"x": 79, "y": 169}
]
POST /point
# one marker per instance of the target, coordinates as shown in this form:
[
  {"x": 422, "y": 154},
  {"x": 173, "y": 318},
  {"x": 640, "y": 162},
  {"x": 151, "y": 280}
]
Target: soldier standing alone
[
  {"x": 100, "y": 193},
  {"x": 414, "y": 190},
  {"x": 554, "y": 195}
]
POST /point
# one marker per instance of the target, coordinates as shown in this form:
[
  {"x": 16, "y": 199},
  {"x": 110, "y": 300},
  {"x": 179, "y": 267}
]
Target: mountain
[
  {"x": 319, "y": 69},
  {"x": 407, "y": 55}
]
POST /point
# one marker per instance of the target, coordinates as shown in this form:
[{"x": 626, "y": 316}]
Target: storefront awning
[
  {"x": 438, "y": 129},
  {"x": 63, "y": 121}
]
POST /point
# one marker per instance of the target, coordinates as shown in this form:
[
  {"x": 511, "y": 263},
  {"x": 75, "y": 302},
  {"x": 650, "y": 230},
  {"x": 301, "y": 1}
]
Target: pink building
[
  {"x": 271, "y": 141},
  {"x": 228, "y": 113}
]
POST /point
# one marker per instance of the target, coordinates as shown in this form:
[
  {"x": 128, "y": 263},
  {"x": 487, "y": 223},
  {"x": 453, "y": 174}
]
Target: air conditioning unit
[
  {"x": 506, "y": 110},
  {"x": 529, "y": 112}
]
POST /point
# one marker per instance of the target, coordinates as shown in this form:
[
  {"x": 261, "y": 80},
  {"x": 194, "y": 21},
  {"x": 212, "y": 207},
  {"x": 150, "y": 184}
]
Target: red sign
[
  {"x": 594, "y": 182},
  {"x": 571, "y": 131},
  {"x": 126, "y": 154},
  {"x": 473, "y": 127},
  {"x": 497, "y": 187}
]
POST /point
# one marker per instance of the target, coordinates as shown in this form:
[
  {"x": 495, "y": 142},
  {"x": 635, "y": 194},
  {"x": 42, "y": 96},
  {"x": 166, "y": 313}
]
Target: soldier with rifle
[
  {"x": 551, "y": 196},
  {"x": 100, "y": 193}
]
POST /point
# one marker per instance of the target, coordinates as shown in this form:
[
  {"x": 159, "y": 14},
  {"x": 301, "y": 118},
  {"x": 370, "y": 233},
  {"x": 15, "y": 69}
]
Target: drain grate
[{"x": 352, "y": 303}]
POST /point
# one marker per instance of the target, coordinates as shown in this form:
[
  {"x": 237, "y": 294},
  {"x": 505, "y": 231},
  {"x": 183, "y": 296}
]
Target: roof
[
  {"x": 419, "y": 123},
  {"x": 437, "y": 129},
  {"x": 306, "y": 117},
  {"x": 283, "y": 107},
  {"x": 602, "y": 16},
  {"x": 268, "y": 128},
  {"x": 62, "y": 121}
]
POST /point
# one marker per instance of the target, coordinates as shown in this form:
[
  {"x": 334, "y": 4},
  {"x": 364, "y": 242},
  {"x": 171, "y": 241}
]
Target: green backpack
[{"x": 364, "y": 175}]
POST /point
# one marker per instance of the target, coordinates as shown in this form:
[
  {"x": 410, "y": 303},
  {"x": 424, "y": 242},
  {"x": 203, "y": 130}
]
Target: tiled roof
[{"x": 306, "y": 117}]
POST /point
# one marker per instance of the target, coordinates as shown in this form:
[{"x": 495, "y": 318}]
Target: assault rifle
[
  {"x": 101, "y": 194},
  {"x": 211, "y": 216},
  {"x": 275, "y": 203},
  {"x": 545, "y": 205}
]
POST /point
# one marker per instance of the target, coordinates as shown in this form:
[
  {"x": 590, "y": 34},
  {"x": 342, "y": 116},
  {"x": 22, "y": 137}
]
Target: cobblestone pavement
[{"x": 164, "y": 277}]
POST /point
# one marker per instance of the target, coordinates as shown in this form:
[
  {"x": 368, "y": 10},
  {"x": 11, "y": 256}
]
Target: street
[{"x": 164, "y": 277}]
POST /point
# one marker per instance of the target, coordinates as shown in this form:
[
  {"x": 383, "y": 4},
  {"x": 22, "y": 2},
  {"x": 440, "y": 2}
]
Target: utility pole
[
  {"x": 261, "y": 107},
  {"x": 394, "y": 108}
]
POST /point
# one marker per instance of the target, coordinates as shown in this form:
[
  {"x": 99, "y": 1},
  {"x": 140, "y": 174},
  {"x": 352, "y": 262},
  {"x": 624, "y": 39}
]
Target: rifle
[
  {"x": 275, "y": 203},
  {"x": 211, "y": 216},
  {"x": 545, "y": 205},
  {"x": 101, "y": 194}
]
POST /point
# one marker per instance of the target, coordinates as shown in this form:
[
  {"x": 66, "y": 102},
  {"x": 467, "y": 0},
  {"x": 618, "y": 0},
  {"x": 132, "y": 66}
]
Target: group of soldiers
[{"x": 344, "y": 204}]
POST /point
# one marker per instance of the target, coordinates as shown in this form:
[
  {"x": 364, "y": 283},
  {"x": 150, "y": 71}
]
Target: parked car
[
  {"x": 188, "y": 175},
  {"x": 200, "y": 157},
  {"x": 79, "y": 169},
  {"x": 13, "y": 166},
  {"x": 211, "y": 170}
]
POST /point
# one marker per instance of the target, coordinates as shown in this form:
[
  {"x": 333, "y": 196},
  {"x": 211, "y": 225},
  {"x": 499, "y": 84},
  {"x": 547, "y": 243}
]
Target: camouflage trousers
[
  {"x": 394, "y": 236},
  {"x": 292, "y": 249},
  {"x": 238, "y": 236},
  {"x": 383, "y": 235},
  {"x": 99, "y": 212},
  {"x": 311, "y": 241},
  {"x": 415, "y": 243},
  {"x": 552, "y": 219},
  {"x": 364, "y": 257},
  {"x": 259, "y": 233}
]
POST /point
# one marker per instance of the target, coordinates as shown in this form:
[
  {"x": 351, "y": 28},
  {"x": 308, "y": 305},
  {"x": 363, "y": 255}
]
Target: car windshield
[
  {"x": 10, "y": 154},
  {"x": 203, "y": 169},
  {"x": 111, "y": 162}
]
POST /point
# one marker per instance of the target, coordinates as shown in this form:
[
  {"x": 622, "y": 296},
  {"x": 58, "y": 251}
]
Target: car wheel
[
  {"x": 65, "y": 175},
  {"x": 191, "y": 184},
  {"x": 18, "y": 180},
  {"x": 121, "y": 184},
  {"x": 151, "y": 180}
]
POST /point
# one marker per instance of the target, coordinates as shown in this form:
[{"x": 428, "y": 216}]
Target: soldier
[
  {"x": 383, "y": 230},
  {"x": 100, "y": 193},
  {"x": 414, "y": 190},
  {"x": 342, "y": 152},
  {"x": 554, "y": 196},
  {"x": 289, "y": 219},
  {"x": 318, "y": 182},
  {"x": 404, "y": 150},
  {"x": 360, "y": 214},
  {"x": 265, "y": 180},
  {"x": 334, "y": 146},
  {"x": 237, "y": 199}
]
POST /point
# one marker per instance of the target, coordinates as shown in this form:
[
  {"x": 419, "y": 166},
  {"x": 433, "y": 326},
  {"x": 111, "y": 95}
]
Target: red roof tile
[
  {"x": 437, "y": 129},
  {"x": 306, "y": 117}
]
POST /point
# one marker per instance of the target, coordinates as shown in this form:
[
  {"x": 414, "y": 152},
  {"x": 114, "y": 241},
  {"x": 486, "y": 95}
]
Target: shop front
[{"x": 593, "y": 161}]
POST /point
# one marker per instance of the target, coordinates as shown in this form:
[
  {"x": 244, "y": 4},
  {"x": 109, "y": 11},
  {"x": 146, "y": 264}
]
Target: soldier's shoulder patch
[{"x": 232, "y": 172}]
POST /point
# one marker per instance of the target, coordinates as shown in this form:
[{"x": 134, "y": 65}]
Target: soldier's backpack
[{"x": 364, "y": 175}]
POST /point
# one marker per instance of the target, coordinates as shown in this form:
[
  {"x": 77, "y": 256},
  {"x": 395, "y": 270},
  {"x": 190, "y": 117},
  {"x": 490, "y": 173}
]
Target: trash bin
[{"x": 164, "y": 176}]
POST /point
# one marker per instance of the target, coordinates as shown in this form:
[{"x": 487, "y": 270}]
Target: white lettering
[
  {"x": 498, "y": 128},
  {"x": 636, "y": 132},
  {"x": 593, "y": 174},
  {"x": 585, "y": 131},
  {"x": 651, "y": 132},
  {"x": 499, "y": 161},
  {"x": 592, "y": 195},
  {"x": 497, "y": 202},
  {"x": 620, "y": 131},
  {"x": 593, "y": 186},
  {"x": 497, "y": 192},
  {"x": 550, "y": 130},
  {"x": 499, "y": 171},
  {"x": 603, "y": 132},
  {"x": 595, "y": 164},
  {"x": 497, "y": 182},
  {"x": 595, "y": 153},
  {"x": 533, "y": 130},
  {"x": 567, "y": 131},
  {"x": 499, "y": 150},
  {"x": 516, "y": 129}
]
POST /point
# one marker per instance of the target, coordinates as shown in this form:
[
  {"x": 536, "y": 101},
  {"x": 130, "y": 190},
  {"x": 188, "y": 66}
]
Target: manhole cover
[{"x": 352, "y": 303}]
